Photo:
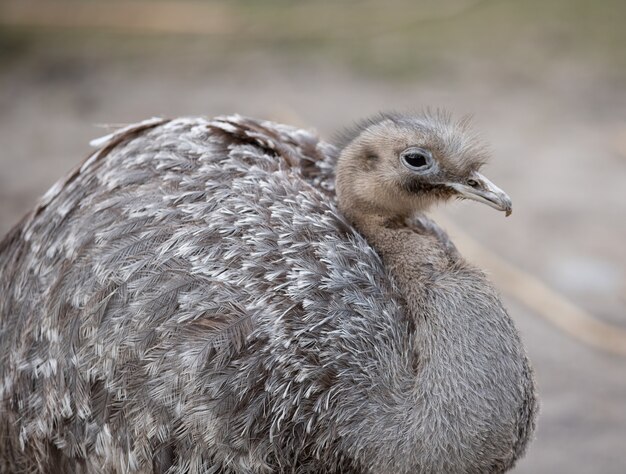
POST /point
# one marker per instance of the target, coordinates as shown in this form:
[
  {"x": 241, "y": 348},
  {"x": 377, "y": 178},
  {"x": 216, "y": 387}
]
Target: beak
[{"x": 482, "y": 190}]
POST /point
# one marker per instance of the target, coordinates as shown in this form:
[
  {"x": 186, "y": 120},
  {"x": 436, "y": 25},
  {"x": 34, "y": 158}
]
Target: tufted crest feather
[{"x": 457, "y": 139}]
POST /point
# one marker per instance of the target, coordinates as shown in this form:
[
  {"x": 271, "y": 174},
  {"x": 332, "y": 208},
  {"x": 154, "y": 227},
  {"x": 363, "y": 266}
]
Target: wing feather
[{"x": 175, "y": 281}]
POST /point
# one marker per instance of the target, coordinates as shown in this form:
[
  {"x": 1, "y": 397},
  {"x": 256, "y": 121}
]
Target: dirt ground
[{"x": 551, "y": 107}]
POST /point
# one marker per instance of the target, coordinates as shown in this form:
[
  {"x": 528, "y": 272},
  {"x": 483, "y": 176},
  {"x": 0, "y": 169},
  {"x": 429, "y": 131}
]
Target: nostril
[{"x": 472, "y": 182}]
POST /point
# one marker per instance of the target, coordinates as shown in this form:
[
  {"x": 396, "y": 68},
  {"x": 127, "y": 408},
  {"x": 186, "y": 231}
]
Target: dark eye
[
  {"x": 472, "y": 182},
  {"x": 416, "y": 158}
]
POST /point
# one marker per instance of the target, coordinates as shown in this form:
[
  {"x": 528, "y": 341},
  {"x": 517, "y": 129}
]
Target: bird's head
[{"x": 396, "y": 165}]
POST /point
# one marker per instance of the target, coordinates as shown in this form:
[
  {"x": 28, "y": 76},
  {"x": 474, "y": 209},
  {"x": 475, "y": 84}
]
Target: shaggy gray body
[{"x": 191, "y": 300}]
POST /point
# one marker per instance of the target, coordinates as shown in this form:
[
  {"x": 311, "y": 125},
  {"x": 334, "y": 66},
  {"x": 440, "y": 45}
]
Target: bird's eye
[
  {"x": 472, "y": 182},
  {"x": 416, "y": 158}
]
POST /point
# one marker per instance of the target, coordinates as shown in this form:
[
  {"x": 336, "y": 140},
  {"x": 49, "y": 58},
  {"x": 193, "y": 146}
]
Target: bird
[{"x": 234, "y": 295}]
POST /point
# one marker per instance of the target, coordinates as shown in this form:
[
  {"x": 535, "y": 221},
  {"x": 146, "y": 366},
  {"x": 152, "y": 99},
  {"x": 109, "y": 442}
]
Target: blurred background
[{"x": 544, "y": 79}]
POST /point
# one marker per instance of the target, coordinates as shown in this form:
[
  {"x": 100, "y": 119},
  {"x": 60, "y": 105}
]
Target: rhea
[{"x": 233, "y": 295}]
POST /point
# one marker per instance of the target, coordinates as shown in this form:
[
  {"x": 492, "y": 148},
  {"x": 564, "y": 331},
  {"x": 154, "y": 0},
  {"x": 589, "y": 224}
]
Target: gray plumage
[{"x": 192, "y": 299}]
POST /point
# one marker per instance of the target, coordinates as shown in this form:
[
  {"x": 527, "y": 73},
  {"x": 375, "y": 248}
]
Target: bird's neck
[
  {"x": 469, "y": 369},
  {"x": 413, "y": 253}
]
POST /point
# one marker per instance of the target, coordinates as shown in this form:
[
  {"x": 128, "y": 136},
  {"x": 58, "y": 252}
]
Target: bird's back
[{"x": 160, "y": 304}]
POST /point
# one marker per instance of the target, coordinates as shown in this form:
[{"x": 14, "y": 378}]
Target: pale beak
[{"x": 482, "y": 190}]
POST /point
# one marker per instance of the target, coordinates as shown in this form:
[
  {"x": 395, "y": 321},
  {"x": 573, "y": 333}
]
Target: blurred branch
[
  {"x": 620, "y": 141},
  {"x": 542, "y": 300}
]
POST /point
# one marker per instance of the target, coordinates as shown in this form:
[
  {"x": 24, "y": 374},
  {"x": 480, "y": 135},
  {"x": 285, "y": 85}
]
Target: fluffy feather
[{"x": 191, "y": 300}]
